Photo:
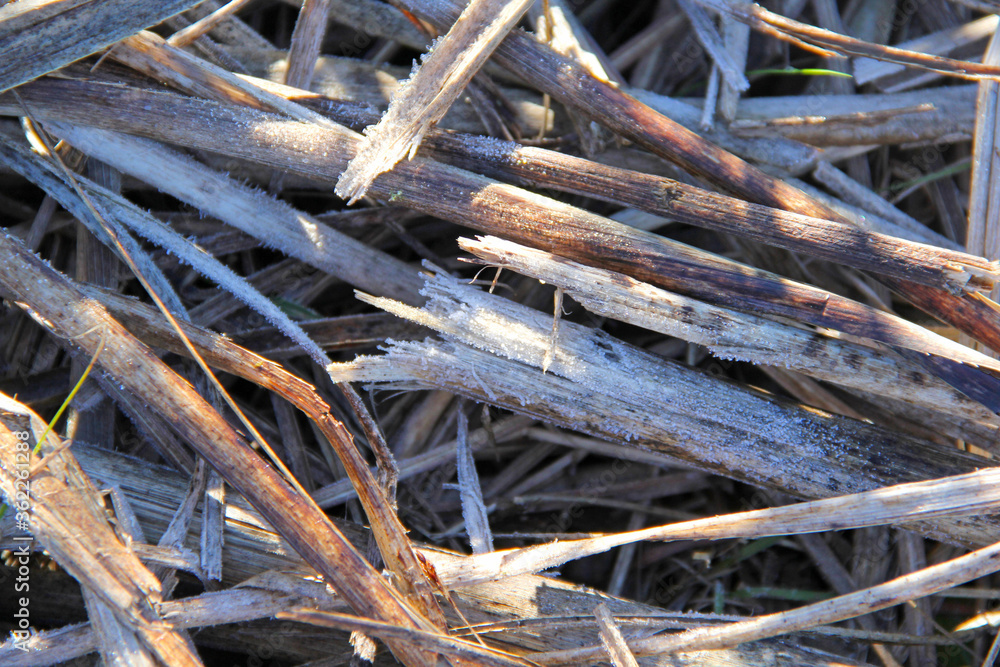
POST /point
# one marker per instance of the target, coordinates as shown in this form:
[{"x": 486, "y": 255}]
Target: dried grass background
[{"x": 500, "y": 332}]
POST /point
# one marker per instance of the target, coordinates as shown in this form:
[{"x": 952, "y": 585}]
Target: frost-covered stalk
[{"x": 442, "y": 76}]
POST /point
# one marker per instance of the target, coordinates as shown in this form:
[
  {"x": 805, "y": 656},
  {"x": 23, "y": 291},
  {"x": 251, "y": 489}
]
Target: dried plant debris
[{"x": 650, "y": 332}]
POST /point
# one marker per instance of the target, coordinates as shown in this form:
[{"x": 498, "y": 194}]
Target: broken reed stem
[
  {"x": 191, "y": 33},
  {"x": 388, "y": 531},
  {"x": 307, "y": 39},
  {"x": 972, "y": 315},
  {"x": 390, "y": 534},
  {"x": 39, "y": 37},
  {"x": 612, "y": 638},
  {"x": 67, "y": 516},
  {"x": 826, "y": 239},
  {"x": 571, "y": 84},
  {"x": 254, "y": 550},
  {"x": 961, "y": 495},
  {"x": 273, "y": 222},
  {"x": 495, "y": 208},
  {"x": 730, "y": 334},
  {"x": 863, "y": 119},
  {"x": 494, "y": 350},
  {"x": 429, "y": 93}
]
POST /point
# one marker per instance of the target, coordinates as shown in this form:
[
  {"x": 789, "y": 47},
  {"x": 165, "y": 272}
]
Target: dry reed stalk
[
  {"x": 275, "y": 223},
  {"x": 904, "y": 503},
  {"x": 612, "y": 639},
  {"x": 983, "y": 237},
  {"x": 973, "y": 315},
  {"x": 825, "y": 120},
  {"x": 425, "y": 98},
  {"x": 827, "y": 239},
  {"x": 624, "y": 114},
  {"x": 885, "y": 75},
  {"x": 574, "y": 86},
  {"x": 807, "y": 35},
  {"x": 385, "y": 524},
  {"x": 192, "y": 32},
  {"x": 306, "y": 42}
]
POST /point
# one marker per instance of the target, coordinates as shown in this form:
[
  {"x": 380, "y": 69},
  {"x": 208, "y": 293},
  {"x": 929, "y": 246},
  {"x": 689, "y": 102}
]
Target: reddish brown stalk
[{"x": 783, "y": 27}]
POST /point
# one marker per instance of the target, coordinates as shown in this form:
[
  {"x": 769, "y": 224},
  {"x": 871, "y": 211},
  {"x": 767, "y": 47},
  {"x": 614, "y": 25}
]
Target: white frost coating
[
  {"x": 414, "y": 68},
  {"x": 427, "y": 54},
  {"x": 120, "y": 211},
  {"x": 45, "y": 175},
  {"x": 430, "y": 91},
  {"x": 486, "y": 389},
  {"x": 600, "y": 363},
  {"x": 731, "y": 334},
  {"x": 602, "y": 386},
  {"x": 490, "y": 148}
]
